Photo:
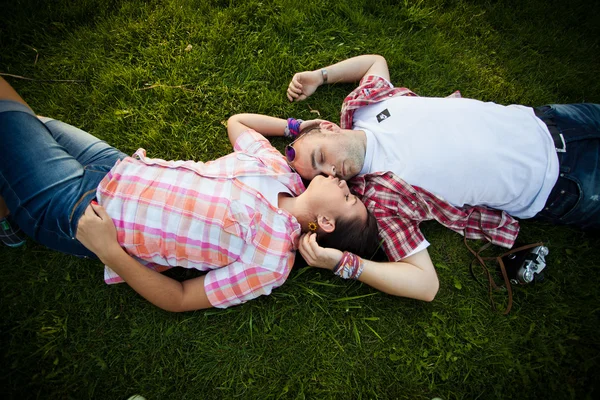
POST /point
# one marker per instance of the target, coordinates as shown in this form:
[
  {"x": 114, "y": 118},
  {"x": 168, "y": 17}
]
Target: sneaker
[{"x": 11, "y": 235}]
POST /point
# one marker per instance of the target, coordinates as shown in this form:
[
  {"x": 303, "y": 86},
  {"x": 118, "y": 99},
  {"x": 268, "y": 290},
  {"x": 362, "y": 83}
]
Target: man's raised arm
[{"x": 353, "y": 69}]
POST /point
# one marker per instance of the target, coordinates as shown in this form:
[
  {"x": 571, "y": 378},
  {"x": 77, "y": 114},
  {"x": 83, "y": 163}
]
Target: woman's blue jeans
[
  {"x": 49, "y": 172},
  {"x": 575, "y": 198}
]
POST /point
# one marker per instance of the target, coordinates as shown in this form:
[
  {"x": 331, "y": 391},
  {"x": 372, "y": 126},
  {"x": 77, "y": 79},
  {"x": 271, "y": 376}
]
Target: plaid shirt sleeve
[
  {"x": 382, "y": 196},
  {"x": 400, "y": 236},
  {"x": 252, "y": 142},
  {"x": 372, "y": 89},
  {"x": 400, "y": 208},
  {"x": 239, "y": 282}
]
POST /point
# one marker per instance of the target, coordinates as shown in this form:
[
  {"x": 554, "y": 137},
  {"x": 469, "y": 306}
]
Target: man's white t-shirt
[{"x": 466, "y": 151}]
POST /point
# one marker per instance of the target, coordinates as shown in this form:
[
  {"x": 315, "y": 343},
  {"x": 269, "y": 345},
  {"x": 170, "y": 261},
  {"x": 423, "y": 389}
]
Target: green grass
[{"x": 65, "y": 334}]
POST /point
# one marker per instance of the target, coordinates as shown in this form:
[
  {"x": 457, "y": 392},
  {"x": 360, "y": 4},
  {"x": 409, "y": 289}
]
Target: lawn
[{"x": 165, "y": 76}]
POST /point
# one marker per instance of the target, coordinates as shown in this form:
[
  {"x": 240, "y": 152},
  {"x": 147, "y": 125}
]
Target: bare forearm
[
  {"x": 401, "y": 279},
  {"x": 264, "y": 124},
  {"x": 413, "y": 277},
  {"x": 158, "y": 289},
  {"x": 353, "y": 69},
  {"x": 305, "y": 83}
]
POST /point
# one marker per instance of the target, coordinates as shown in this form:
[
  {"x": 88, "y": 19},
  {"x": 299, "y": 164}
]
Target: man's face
[{"x": 339, "y": 153}]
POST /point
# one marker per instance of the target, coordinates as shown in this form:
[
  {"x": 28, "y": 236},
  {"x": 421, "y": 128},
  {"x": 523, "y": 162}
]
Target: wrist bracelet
[
  {"x": 350, "y": 266},
  {"x": 293, "y": 128},
  {"x": 324, "y": 75}
]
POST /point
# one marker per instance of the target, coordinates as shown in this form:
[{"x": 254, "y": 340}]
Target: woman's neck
[{"x": 293, "y": 206}]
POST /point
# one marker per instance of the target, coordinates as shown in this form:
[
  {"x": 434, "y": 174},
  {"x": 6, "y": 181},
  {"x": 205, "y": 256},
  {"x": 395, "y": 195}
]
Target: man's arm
[
  {"x": 413, "y": 277},
  {"x": 97, "y": 232},
  {"x": 305, "y": 83}
]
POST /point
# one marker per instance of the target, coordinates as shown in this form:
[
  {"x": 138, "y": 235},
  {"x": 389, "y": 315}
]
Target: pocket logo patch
[{"x": 382, "y": 116}]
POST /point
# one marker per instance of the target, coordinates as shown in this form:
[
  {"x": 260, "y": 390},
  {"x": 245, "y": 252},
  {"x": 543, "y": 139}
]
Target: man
[{"x": 463, "y": 156}]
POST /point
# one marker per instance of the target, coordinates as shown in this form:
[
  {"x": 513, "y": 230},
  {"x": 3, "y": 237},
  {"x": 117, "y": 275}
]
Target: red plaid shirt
[{"x": 400, "y": 207}]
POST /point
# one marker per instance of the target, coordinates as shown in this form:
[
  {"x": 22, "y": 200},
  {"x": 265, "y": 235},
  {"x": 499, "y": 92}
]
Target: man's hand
[
  {"x": 304, "y": 84},
  {"x": 97, "y": 232},
  {"x": 317, "y": 256}
]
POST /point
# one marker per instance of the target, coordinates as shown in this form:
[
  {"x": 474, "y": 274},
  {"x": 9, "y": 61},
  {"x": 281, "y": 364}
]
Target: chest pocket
[{"x": 242, "y": 221}]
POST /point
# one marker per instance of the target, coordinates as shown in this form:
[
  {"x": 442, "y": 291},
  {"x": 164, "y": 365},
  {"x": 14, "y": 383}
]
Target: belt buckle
[{"x": 564, "y": 145}]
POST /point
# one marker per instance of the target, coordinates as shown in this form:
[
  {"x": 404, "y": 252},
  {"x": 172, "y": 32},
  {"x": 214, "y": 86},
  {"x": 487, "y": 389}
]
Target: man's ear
[
  {"x": 329, "y": 127},
  {"x": 326, "y": 224}
]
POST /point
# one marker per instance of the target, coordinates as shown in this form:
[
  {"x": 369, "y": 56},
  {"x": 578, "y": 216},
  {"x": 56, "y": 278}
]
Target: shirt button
[
  {"x": 279, "y": 212},
  {"x": 414, "y": 203},
  {"x": 258, "y": 195},
  {"x": 562, "y": 174},
  {"x": 562, "y": 192},
  {"x": 390, "y": 95},
  {"x": 230, "y": 176}
]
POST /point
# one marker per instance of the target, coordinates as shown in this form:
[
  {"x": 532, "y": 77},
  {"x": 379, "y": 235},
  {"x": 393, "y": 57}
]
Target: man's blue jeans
[
  {"x": 49, "y": 172},
  {"x": 575, "y": 198}
]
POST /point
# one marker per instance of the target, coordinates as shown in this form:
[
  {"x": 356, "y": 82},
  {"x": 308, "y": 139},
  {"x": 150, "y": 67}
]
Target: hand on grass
[
  {"x": 303, "y": 84},
  {"x": 317, "y": 256},
  {"x": 97, "y": 232}
]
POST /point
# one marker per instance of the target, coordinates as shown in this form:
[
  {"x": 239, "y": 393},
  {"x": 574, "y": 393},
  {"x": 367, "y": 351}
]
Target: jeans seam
[
  {"x": 37, "y": 226},
  {"x": 83, "y": 196}
]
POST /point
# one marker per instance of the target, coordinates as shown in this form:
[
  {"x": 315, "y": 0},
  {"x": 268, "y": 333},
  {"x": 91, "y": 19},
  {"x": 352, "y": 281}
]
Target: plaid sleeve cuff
[
  {"x": 400, "y": 238},
  {"x": 237, "y": 283},
  {"x": 250, "y": 141},
  {"x": 376, "y": 81}
]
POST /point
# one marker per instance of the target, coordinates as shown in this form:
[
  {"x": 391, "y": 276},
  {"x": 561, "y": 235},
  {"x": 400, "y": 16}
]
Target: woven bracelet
[
  {"x": 293, "y": 128},
  {"x": 350, "y": 266}
]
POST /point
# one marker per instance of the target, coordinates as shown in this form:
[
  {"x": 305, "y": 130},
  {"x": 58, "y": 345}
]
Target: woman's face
[{"x": 331, "y": 197}]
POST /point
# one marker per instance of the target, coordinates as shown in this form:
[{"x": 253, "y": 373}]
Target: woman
[{"x": 239, "y": 217}]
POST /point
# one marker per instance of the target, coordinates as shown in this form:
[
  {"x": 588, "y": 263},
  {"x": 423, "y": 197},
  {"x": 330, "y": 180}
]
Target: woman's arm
[
  {"x": 263, "y": 124},
  {"x": 413, "y": 277},
  {"x": 97, "y": 232},
  {"x": 268, "y": 126}
]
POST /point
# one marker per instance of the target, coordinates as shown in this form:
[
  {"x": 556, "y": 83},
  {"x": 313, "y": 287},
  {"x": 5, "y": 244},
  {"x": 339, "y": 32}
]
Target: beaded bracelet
[
  {"x": 350, "y": 266},
  {"x": 293, "y": 128}
]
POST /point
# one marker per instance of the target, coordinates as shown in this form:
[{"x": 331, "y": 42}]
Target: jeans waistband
[{"x": 559, "y": 141}]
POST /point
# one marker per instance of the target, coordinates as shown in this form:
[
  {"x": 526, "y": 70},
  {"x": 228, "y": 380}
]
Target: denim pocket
[
  {"x": 85, "y": 193},
  {"x": 563, "y": 199}
]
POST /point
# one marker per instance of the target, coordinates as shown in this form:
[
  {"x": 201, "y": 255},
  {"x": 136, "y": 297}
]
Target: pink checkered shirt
[
  {"x": 400, "y": 207},
  {"x": 199, "y": 215}
]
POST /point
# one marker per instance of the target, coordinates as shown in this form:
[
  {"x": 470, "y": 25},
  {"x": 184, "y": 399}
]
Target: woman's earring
[{"x": 312, "y": 226}]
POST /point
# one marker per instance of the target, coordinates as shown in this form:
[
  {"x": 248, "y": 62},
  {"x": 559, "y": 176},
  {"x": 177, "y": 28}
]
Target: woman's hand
[
  {"x": 97, "y": 232},
  {"x": 304, "y": 84},
  {"x": 317, "y": 256},
  {"x": 311, "y": 123}
]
